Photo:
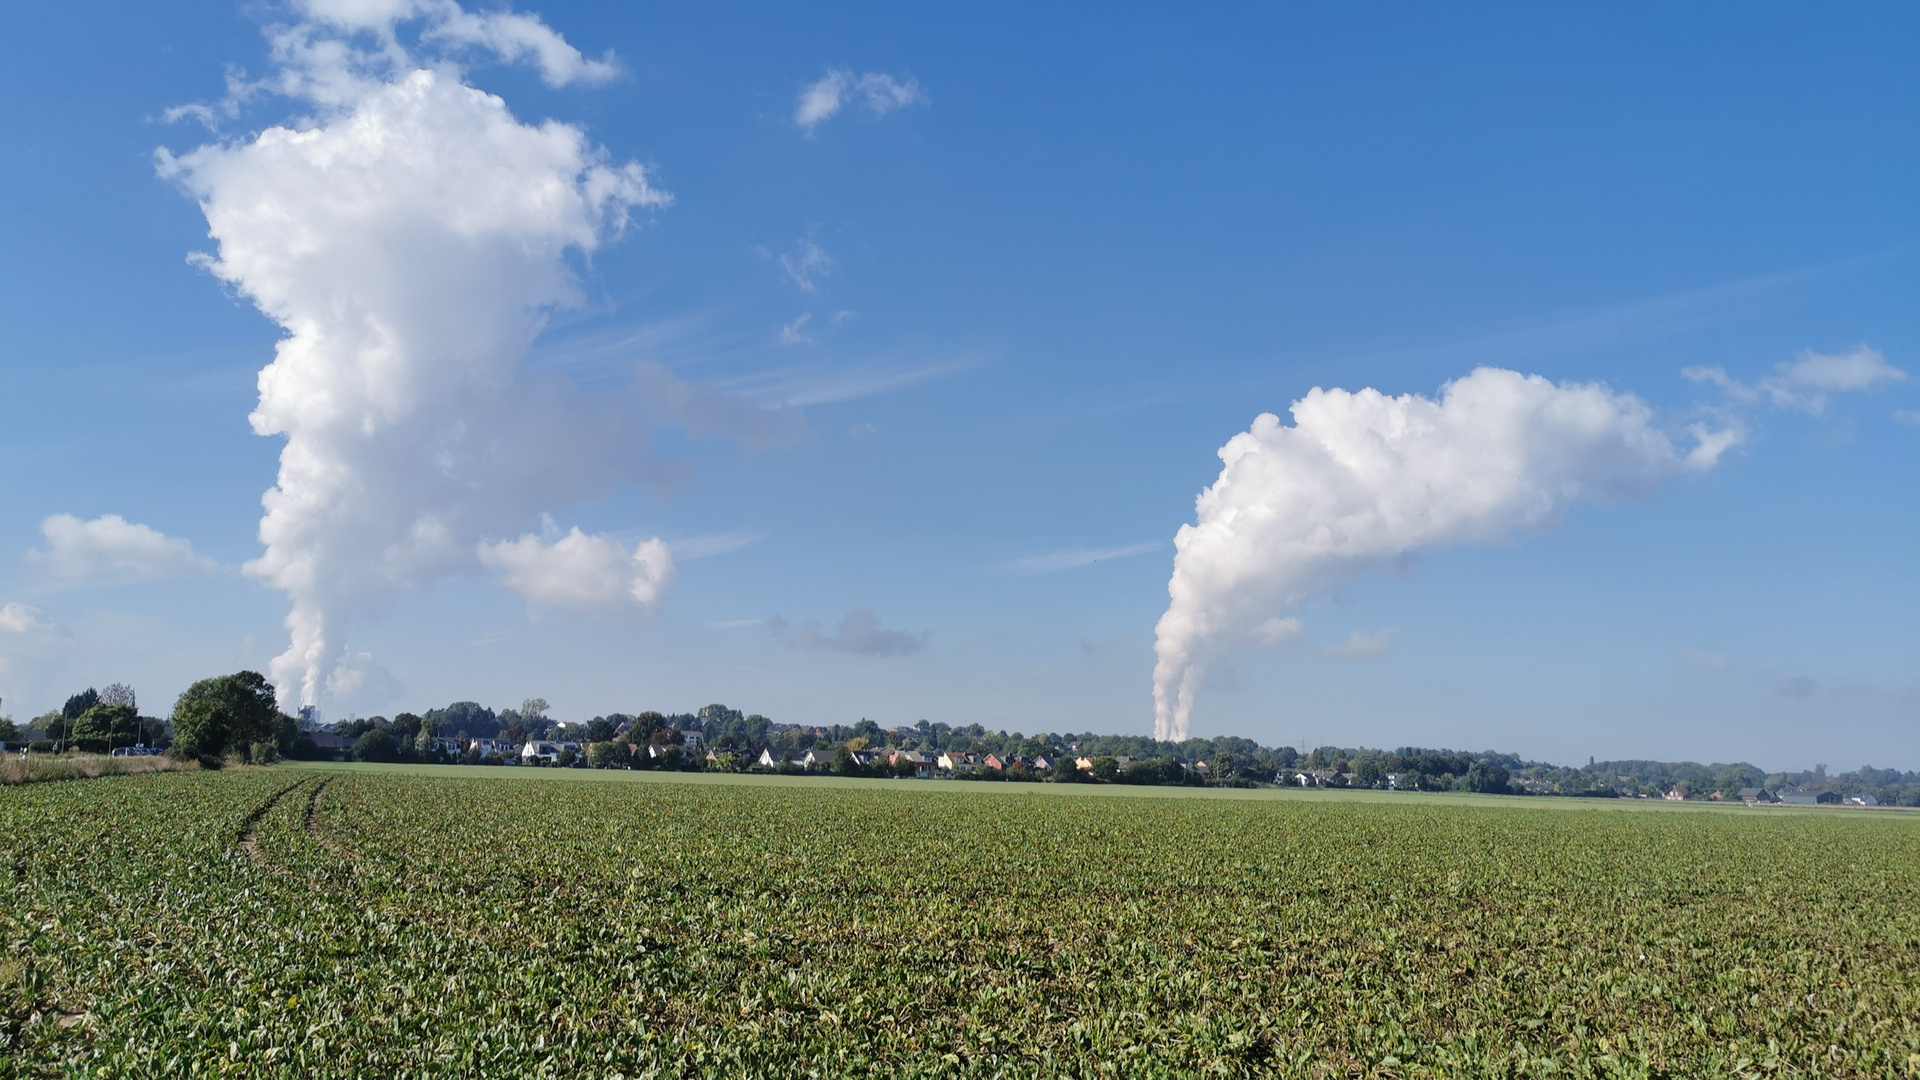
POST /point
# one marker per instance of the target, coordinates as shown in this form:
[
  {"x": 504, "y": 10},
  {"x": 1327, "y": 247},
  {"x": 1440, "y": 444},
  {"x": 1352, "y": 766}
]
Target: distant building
[
  {"x": 922, "y": 764},
  {"x": 1864, "y": 798},
  {"x": 1751, "y": 795},
  {"x": 337, "y": 746},
  {"x": 545, "y": 752},
  {"x": 1809, "y": 798},
  {"x": 501, "y": 748}
]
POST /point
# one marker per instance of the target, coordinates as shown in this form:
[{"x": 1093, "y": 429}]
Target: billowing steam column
[
  {"x": 410, "y": 235},
  {"x": 1361, "y": 479}
]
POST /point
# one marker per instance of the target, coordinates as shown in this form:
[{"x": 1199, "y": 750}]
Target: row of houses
[
  {"x": 1754, "y": 796},
  {"x": 927, "y": 765}
]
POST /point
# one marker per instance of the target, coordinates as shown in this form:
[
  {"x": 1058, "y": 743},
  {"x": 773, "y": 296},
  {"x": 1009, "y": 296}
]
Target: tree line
[{"x": 237, "y": 718}]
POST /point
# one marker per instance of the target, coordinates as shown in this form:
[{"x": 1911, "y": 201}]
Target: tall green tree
[
  {"x": 104, "y": 727},
  {"x": 78, "y": 704},
  {"x": 231, "y": 712}
]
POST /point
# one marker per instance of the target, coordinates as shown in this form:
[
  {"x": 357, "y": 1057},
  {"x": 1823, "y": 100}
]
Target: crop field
[{"x": 287, "y": 923}]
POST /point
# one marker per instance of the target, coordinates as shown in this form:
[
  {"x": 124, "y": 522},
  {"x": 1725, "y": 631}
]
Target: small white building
[
  {"x": 545, "y": 752},
  {"x": 500, "y": 748}
]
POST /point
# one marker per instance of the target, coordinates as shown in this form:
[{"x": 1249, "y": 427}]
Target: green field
[{"x": 518, "y": 922}]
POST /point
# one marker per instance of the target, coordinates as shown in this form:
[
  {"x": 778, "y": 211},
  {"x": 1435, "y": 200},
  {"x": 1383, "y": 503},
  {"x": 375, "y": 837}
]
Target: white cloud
[
  {"x": 1362, "y": 479},
  {"x": 411, "y": 236},
  {"x": 511, "y": 36},
  {"x": 111, "y": 550},
  {"x": 860, "y": 632},
  {"x": 806, "y": 264},
  {"x": 1363, "y": 645},
  {"x": 33, "y": 649},
  {"x": 1909, "y": 417},
  {"x": 18, "y": 618},
  {"x": 588, "y": 575},
  {"x": 880, "y": 94},
  {"x": 1054, "y": 562},
  {"x": 1806, "y": 384}
]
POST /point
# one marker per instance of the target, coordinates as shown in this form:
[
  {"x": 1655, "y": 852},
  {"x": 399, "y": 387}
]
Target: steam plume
[
  {"x": 1361, "y": 479},
  {"x": 411, "y": 235}
]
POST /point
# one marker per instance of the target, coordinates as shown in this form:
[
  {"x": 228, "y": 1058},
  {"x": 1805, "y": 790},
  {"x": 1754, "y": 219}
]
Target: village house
[
  {"x": 953, "y": 761},
  {"x": 1751, "y": 795},
  {"x": 922, "y": 764},
  {"x": 1862, "y": 799},
  {"x": 817, "y": 760},
  {"x": 1041, "y": 763},
  {"x": 338, "y": 746},
  {"x": 1676, "y": 793},
  {"x": 500, "y": 748},
  {"x": 541, "y": 751},
  {"x": 1796, "y": 797},
  {"x": 768, "y": 761}
]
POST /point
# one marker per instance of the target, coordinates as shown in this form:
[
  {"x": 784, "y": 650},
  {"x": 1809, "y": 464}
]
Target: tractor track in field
[
  {"x": 313, "y": 822},
  {"x": 250, "y": 829}
]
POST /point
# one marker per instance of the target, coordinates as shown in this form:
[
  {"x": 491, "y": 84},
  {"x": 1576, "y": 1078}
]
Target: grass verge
[{"x": 36, "y": 768}]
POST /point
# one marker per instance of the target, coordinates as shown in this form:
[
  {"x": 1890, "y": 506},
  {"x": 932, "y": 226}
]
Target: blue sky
[{"x": 1022, "y": 311}]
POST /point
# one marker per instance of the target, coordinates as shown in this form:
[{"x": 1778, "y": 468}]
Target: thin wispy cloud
[
  {"x": 796, "y": 387},
  {"x": 1107, "y": 645},
  {"x": 877, "y": 92},
  {"x": 699, "y": 339},
  {"x": 1054, "y": 562},
  {"x": 860, "y": 632},
  {"x": 1711, "y": 661},
  {"x": 1364, "y": 645},
  {"x": 1798, "y": 686},
  {"x": 1645, "y": 319},
  {"x": 806, "y": 263},
  {"x": 795, "y": 332},
  {"x": 1808, "y": 383}
]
